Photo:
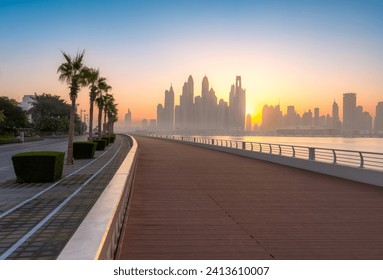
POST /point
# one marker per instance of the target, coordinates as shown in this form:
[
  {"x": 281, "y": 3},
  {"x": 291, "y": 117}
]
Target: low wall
[
  {"x": 362, "y": 175},
  {"x": 97, "y": 236}
]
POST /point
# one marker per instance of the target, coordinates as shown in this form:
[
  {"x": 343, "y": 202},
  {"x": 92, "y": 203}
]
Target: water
[{"x": 355, "y": 144}]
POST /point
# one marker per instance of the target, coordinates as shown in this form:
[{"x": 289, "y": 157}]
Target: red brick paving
[{"x": 195, "y": 203}]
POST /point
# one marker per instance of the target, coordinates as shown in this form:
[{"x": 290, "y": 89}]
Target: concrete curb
[{"x": 97, "y": 236}]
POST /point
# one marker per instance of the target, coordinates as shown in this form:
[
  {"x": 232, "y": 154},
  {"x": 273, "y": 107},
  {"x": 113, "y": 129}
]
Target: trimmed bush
[
  {"x": 112, "y": 138},
  {"x": 107, "y": 139},
  {"x": 84, "y": 149},
  {"x": 40, "y": 166},
  {"x": 101, "y": 144}
]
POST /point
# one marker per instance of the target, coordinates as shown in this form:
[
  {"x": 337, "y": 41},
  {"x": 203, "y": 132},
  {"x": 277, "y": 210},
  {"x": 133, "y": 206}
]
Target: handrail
[{"x": 359, "y": 159}]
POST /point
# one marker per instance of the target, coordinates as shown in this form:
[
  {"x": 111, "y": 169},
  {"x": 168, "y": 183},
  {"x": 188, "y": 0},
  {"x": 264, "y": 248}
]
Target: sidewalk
[
  {"x": 47, "y": 241},
  {"x": 195, "y": 203}
]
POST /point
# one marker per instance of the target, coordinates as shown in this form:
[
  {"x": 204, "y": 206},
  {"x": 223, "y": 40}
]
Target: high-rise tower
[
  {"x": 237, "y": 106},
  {"x": 335, "y": 116},
  {"x": 378, "y": 124},
  {"x": 349, "y": 111}
]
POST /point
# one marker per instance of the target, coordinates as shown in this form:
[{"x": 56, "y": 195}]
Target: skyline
[
  {"x": 204, "y": 112},
  {"x": 287, "y": 53}
]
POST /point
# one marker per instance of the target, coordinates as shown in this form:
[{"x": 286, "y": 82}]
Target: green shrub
[
  {"x": 112, "y": 138},
  {"x": 84, "y": 149},
  {"x": 40, "y": 166},
  {"x": 107, "y": 139},
  {"x": 101, "y": 144}
]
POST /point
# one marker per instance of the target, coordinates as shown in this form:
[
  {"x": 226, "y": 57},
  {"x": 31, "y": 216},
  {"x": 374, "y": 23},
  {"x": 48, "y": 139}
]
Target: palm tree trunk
[
  {"x": 90, "y": 138},
  {"x": 69, "y": 159},
  {"x": 99, "y": 122},
  {"x": 104, "y": 124}
]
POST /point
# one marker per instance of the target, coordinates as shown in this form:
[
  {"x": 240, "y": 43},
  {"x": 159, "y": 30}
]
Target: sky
[{"x": 303, "y": 53}]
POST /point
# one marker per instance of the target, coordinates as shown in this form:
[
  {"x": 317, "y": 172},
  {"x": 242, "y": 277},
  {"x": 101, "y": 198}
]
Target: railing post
[
  {"x": 280, "y": 150},
  {"x": 243, "y": 145},
  {"x": 212, "y": 142},
  {"x": 271, "y": 149},
  {"x": 293, "y": 150},
  {"x": 311, "y": 153},
  {"x": 194, "y": 139},
  {"x": 361, "y": 160},
  {"x": 334, "y": 155}
]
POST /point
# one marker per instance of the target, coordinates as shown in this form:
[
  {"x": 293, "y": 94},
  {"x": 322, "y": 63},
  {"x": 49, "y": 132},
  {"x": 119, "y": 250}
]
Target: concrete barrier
[
  {"x": 97, "y": 236},
  {"x": 362, "y": 175}
]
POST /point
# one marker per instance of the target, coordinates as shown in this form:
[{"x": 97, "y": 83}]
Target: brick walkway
[
  {"x": 194, "y": 203},
  {"x": 50, "y": 239}
]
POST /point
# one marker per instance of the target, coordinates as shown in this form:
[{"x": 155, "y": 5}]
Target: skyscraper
[
  {"x": 349, "y": 111},
  {"x": 160, "y": 116},
  {"x": 336, "y": 124},
  {"x": 237, "y": 106},
  {"x": 128, "y": 118},
  {"x": 187, "y": 105},
  {"x": 169, "y": 109},
  {"x": 316, "y": 117},
  {"x": 378, "y": 124}
]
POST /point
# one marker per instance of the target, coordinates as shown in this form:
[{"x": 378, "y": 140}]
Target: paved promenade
[
  {"x": 38, "y": 219},
  {"x": 194, "y": 203}
]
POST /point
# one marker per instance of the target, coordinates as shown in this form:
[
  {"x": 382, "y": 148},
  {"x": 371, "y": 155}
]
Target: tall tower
[
  {"x": 169, "y": 109},
  {"x": 378, "y": 125},
  {"x": 187, "y": 105},
  {"x": 205, "y": 102},
  {"x": 128, "y": 118},
  {"x": 335, "y": 116},
  {"x": 237, "y": 106},
  {"x": 349, "y": 111}
]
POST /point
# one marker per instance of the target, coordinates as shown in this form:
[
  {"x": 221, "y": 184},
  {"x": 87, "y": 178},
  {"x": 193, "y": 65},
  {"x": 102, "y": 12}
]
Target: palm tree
[
  {"x": 112, "y": 117},
  {"x": 108, "y": 103},
  {"x": 95, "y": 83},
  {"x": 72, "y": 72},
  {"x": 101, "y": 100}
]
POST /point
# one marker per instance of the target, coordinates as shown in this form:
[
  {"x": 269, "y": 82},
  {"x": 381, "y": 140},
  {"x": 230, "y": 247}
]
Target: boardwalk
[{"x": 194, "y": 203}]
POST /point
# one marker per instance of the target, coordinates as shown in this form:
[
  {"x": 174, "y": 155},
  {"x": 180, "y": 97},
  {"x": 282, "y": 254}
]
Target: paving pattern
[
  {"x": 195, "y": 203},
  {"x": 50, "y": 239}
]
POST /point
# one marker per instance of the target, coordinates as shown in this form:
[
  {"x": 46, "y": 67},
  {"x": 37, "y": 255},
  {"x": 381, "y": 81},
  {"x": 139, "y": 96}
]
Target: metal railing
[{"x": 359, "y": 159}]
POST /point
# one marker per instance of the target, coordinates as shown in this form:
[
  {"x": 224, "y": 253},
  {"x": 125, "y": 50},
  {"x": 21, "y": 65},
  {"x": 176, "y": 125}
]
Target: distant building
[
  {"x": 144, "y": 124},
  {"x": 316, "y": 117},
  {"x": 272, "y": 117},
  {"x": 128, "y": 118},
  {"x": 222, "y": 115},
  {"x": 292, "y": 118},
  {"x": 378, "y": 123},
  {"x": 248, "y": 122},
  {"x": 187, "y": 105},
  {"x": 349, "y": 111},
  {"x": 335, "y": 121},
  {"x": 152, "y": 124},
  {"x": 307, "y": 119},
  {"x": 160, "y": 116},
  {"x": 237, "y": 106}
]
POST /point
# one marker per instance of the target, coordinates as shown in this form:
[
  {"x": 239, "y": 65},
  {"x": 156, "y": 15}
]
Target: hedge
[
  {"x": 84, "y": 149},
  {"x": 101, "y": 144},
  {"x": 112, "y": 138},
  {"x": 106, "y": 138},
  {"x": 39, "y": 166}
]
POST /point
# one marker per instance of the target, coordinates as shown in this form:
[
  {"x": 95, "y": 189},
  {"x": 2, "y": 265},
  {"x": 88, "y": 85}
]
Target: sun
[{"x": 256, "y": 114}]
